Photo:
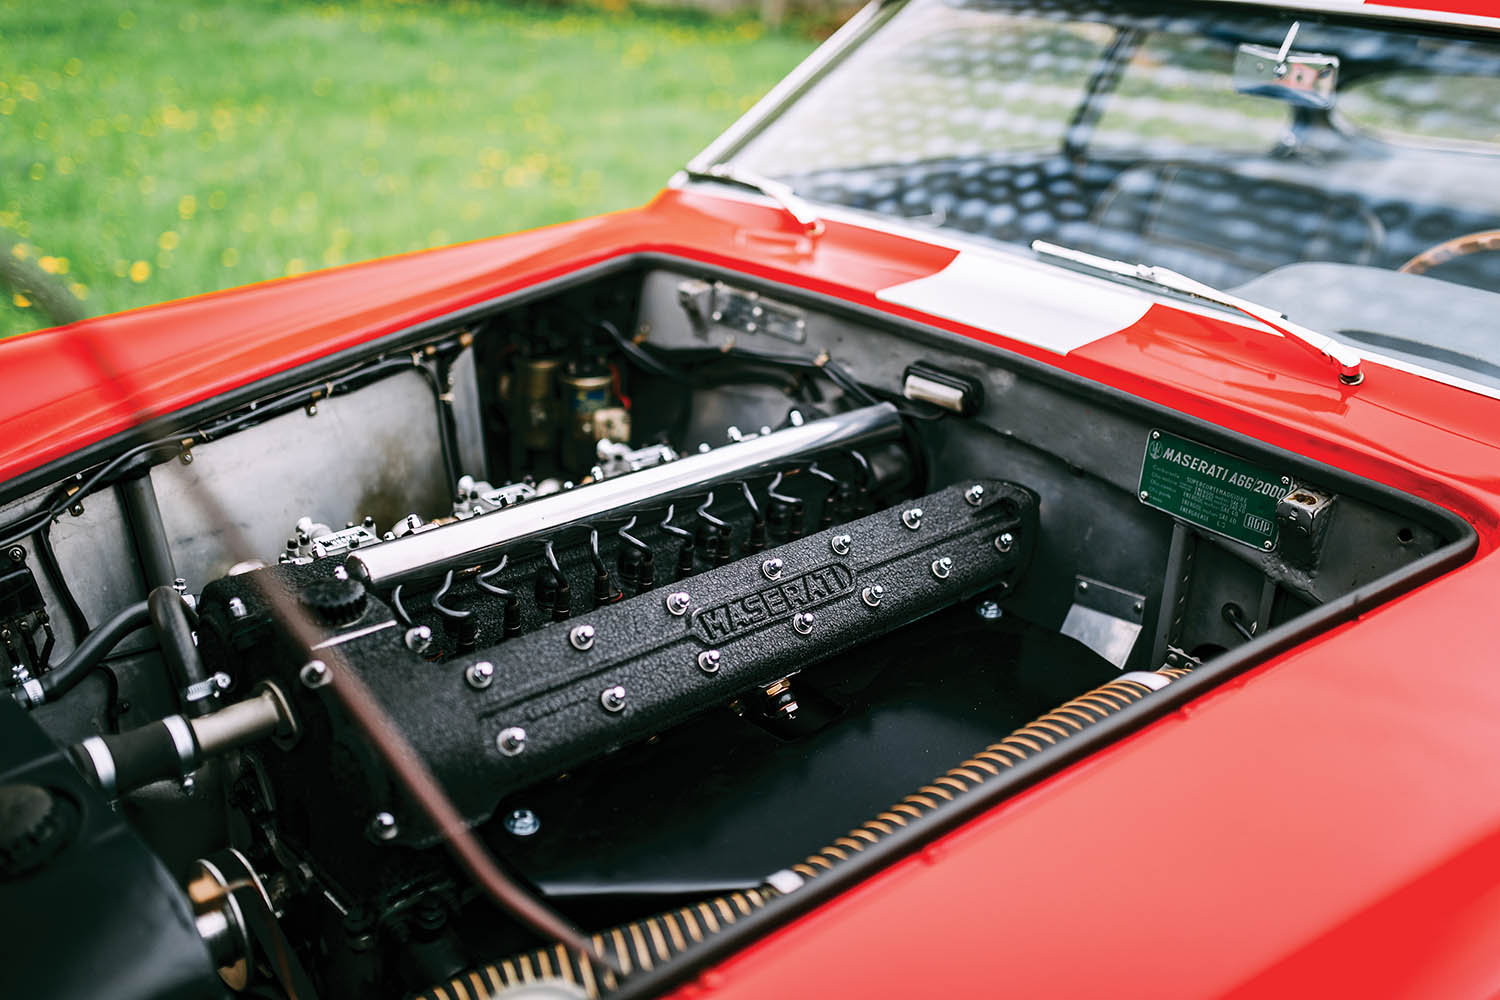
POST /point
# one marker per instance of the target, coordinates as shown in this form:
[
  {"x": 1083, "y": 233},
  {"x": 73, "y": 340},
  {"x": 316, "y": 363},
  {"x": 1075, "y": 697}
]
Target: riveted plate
[{"x": 1211, "y": 489}]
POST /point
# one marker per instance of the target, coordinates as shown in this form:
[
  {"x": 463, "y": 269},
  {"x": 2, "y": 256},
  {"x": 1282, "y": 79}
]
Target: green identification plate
[{"x": 1206, "y": 487}]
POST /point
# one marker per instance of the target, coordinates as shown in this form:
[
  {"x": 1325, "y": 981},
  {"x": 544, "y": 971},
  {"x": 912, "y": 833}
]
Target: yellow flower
[
  {"x": 140, "y": 271},
  {"x": 187, "y": 206},
  {"x": 20, "y": 300},
  {"x": 168, "y": 240},
  {"x": 54, "y": 265},
  {"x": 79, "y": 289}
]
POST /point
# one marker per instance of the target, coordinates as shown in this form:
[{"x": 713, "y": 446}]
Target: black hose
[
  {"x": 92, "y": 650},
  {"x": 169, "y": 619},
  {"x": 144, "y": 516}
]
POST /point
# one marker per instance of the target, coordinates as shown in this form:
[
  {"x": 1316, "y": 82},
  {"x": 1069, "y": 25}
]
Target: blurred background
[{"x": 163, "y": 148}]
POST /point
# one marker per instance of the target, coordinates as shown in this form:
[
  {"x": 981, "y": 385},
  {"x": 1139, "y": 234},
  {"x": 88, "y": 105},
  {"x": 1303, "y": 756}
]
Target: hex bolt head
[
  {"x": 1268, "y": 545},
  {"x": 803, "y": 622},
  {"x": 522, "y": 822},
  {"x": 840, "y": 544},
  {"x": 419, "y": 639},
  {"x": 314, "y": 674},
  {"x": 988, "y": 610},
  {"x": 613, "y": 698},
  {"x": 511, "y": 740},
  {"x": 974, "y": 495},
  {"x": 16, "y": 553},
  {"x": 1004, "y": 541},
  {"x": 912, "y": 517},
  {"x": 872, "y": 594},
  {"x": 678, "y": 602},
  {"x": 708, "y": 661},
  {"x": 480, "y": 675},
  {"x": 582, "y": 637},
  {"x": 383, "y": 826},
  {"x": 237, "y": 608},
  {"x": 771, "y": 569},
  {"x": 942, "y": 567},
  {"x": 1144, "y": 494}
]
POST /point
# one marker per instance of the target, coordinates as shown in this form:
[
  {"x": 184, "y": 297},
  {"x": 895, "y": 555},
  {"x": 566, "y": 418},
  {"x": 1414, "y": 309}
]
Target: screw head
[
  {"x": 678, "y": 602},
  {"x": 16, "y": 553},
  {"x": 383, "y": 826},
  {"x": 1004, "y": 541},
  {"x": 708, "y": 661},
  {"x": 522, "y": 822},
  {"x": 419, "y": 639},
  {"x": 312, "y": 409},
  {"x": 942, "y": 567},
  {"x": 613, "y": 698},
  {"x": 237, "y": 608},
  {"x": 1156, "y": 435},
  {"x": 582, "y": 637},
  {"x": 771, "y": 569},
  {"x": 872, "y": 594},
  {"x": 989, "y": 610},
  {"x": 480, "y": 675},
  {"x": 803, "y": 622},
  {"x": 511, "y": 740},
  {"x": 1144, "y": 494},
  {"x": 974, "y": 495},
  {"x": 1083, "y": 586},
  {"x": 840, "y": 544},
  {"x": 314, "y": 674},
  {"x": 912, "y": 517},
  {"x": 1268, "y": 545}
]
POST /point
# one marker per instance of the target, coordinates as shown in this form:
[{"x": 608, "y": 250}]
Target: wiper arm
[
  {"x": 1345, "y": 359},
  {"x": 790, "y": 202}
]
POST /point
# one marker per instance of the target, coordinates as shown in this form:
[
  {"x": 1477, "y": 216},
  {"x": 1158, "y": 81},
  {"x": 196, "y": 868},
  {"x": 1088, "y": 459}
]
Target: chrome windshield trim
[{"x": 853, "y": 31}]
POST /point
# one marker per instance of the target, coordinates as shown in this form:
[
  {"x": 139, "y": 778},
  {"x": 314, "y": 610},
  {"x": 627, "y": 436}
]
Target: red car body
[{"x": 1329, "y": 821}]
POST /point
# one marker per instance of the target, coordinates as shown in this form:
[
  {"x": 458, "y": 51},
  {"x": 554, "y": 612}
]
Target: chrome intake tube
[{"x": 431, "y": 552}]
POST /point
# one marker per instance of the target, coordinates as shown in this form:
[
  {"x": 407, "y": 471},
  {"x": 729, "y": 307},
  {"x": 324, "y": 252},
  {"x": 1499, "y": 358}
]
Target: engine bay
[{"x": 693, "y": 598}]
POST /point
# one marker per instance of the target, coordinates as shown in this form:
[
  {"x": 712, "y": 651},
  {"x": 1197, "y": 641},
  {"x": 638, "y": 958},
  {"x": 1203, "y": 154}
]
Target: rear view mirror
[{"x": 1306, "y": 79}]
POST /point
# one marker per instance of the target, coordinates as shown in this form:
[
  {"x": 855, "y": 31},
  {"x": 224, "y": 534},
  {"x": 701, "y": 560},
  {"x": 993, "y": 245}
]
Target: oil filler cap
[
  {"x": 35, "y": 825},
  {"x": 335, "y": 601}
]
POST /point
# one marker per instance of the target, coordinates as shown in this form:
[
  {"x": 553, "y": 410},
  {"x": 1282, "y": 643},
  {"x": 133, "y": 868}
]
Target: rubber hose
[
  {"x": 656, "y": 940},
  {"x": 169, "y": 618},
  {"x": 93, "y": 649}
]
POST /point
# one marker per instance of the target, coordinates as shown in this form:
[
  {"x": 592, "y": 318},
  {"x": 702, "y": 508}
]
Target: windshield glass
[{"x": 1181, "y": 136}]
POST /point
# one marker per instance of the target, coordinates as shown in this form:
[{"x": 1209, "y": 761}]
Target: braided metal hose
[{"x": 647, "y": 943}]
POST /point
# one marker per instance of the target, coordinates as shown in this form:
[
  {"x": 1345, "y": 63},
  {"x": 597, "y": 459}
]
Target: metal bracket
[{"x": 1106, "y": 619}]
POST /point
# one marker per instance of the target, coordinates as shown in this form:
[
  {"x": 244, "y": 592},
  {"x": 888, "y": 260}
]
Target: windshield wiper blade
[
  {"x": 790, "y": 202},
  {"x": 1345, "y": 359}
]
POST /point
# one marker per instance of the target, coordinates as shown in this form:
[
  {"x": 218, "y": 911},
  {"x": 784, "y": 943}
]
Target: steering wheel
[{"x": 1459, "y": 246}]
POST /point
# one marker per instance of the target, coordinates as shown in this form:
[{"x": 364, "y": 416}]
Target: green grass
[{"x": 171, "y": 147}]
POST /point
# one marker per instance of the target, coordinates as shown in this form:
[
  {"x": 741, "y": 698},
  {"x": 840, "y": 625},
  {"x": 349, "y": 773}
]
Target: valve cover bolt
[
  {"x": 613, "y": 699},
  {"x": 1004, "y": 541},
  {"x": 803, "y": 622},
  {"x": 872, "y": 594},
  {"x": 771, "y": 569},
  {"x": 912, "y": 517},
  {"x": 383, "y": 826},
  {"x": 942, "y": 567},
  {"x": 678, "y": 601},
  {"x": 708, "y": 661},
  {"x": 511, "y": 740},
  {"x": 840, "y": 544},
  {"x": 479, "y": 675},
  {"x": 582, "y": 637},
  {"x": 974, "y": 495}
]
